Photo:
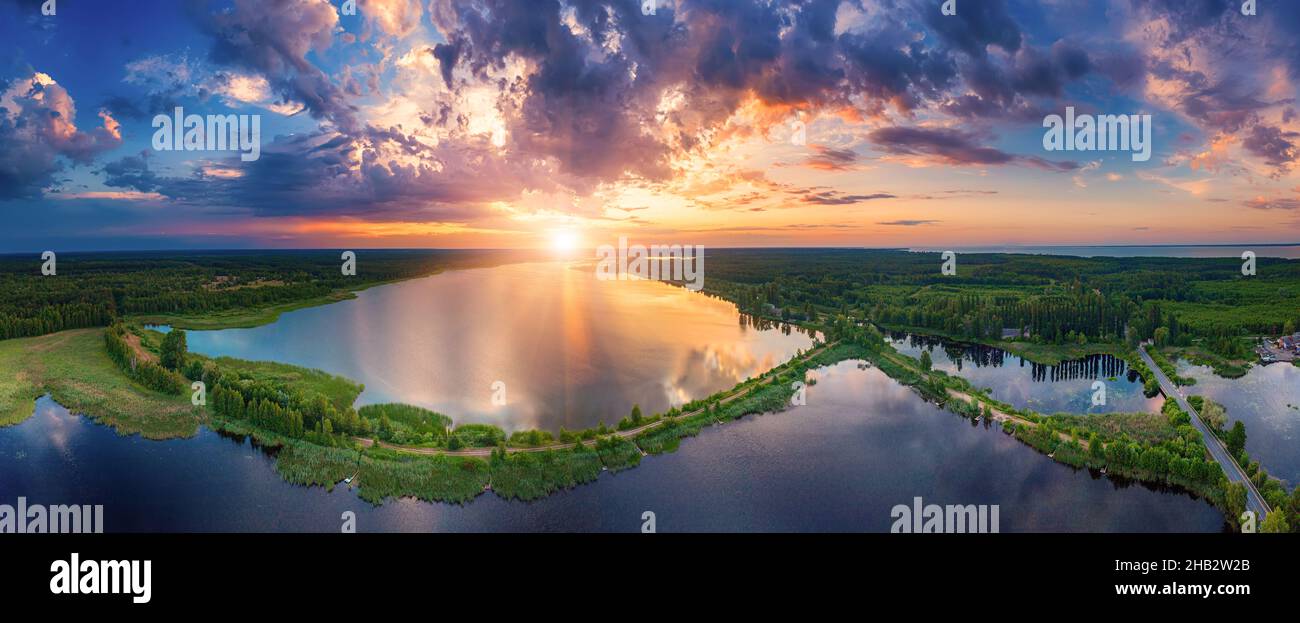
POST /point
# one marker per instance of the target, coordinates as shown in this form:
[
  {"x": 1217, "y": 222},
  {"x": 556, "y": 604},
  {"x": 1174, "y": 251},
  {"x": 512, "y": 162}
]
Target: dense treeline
[
  {"x": 1050, "y": 299},
  {"x": 140, "y": 369},
  {"x": 274, "y": 407},
  {"x": 92, "y": 289},
  {"x": 406, "y": 424},
  {"x": 53, "y": 318}
]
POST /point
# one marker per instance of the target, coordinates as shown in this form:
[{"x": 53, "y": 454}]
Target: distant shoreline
[{"x": 1008, "y": 249}]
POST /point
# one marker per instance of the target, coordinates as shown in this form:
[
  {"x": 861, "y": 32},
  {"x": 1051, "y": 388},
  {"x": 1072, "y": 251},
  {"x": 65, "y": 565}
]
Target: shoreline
[
  {"x": 532, "y": 472},
  {"x": 556, "y": 469}
]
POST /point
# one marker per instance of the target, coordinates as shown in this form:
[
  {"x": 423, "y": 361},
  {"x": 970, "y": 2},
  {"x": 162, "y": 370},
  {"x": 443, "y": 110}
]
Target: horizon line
[{"x": 921, "y": 248}]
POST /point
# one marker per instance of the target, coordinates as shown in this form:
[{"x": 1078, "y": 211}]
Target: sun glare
[{"x": 564, "y": 241}]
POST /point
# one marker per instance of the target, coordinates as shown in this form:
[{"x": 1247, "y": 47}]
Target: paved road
[{"x": 1254, "y": 501}]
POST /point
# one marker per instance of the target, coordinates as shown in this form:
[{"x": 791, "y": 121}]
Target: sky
[{"x": 570, "y": 123}]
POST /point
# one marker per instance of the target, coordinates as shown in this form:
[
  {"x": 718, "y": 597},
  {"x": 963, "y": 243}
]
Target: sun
[{"x": 564, "y": 240}]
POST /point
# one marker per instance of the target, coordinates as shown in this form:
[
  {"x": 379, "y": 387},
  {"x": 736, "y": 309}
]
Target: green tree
[
  {"x": 173, "y": 350},
  {"x": 1095, "y": 446},
  {"x": 636, "y": 414},
  {"x": 926, "y": 362},
  {"x": 1275, "y": 522},
  {"x": 1236, "y": 439},
  {"x": 1161, "y": 336},
  {"x": 1235, "y": 498}
]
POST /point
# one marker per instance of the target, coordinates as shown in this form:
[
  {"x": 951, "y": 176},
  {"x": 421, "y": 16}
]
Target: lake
[
  {"x": 1063, "y": 388},
  {"x": 1267, "y": 401},
  {"x": 571, "y": 350},
  {"x": 861, "y": 445}
]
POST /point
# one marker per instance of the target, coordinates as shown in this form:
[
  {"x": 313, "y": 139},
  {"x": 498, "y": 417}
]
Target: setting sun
[{"x": 564, "y": 240}]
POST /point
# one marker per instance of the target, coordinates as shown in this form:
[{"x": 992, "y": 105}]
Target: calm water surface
[
  {"x": 1267, "y": 401},
  {"x": 1064, "y": 388},
  {"x": 572, "y": 350},
  {"x": 861, "y": 445}
]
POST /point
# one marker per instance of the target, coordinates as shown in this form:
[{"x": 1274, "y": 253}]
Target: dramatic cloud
[
  {"x": 908, "y": 223},
  {"x": 836, "y": 198},
  {"x": 829, "y": 159},
  {"x": 38, "y": 130},
  {"x": 532, "y": 113},
  {"x": 1275, "y": 147},
  {"x": 953, "y": 147},
  {"x": 273, "y": 38},
  {"x": 167, "y": 79}
]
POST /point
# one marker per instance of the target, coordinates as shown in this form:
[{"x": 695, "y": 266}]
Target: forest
[
  {"x": 1048, "y": 299},
  {"x": 93, "y": 289}
]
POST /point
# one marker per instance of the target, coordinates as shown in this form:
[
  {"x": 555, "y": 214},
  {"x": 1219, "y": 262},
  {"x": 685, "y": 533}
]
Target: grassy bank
[
  {"x": 249, "y": 317},
  {"x": 75, "y": 369}
]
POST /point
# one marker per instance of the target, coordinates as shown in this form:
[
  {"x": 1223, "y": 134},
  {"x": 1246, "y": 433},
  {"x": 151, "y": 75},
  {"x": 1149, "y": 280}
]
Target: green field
[{"x": 73, "y": 367}]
